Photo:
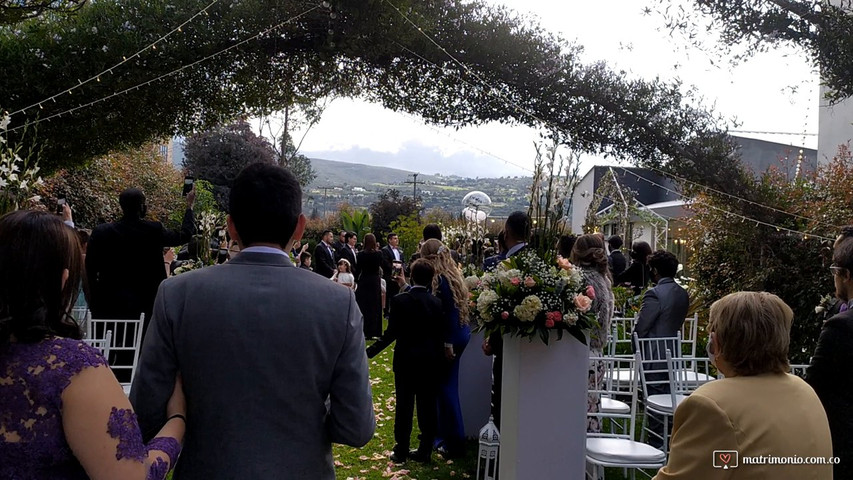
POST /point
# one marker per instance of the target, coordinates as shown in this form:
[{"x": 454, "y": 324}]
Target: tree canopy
[{"x": 509, "y": 69}]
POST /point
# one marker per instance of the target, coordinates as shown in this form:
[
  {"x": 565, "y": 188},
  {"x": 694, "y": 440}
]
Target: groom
[{"x": 272, "y": 356}]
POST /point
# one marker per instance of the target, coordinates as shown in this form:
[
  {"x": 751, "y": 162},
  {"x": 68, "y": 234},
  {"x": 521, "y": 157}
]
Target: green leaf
[{"x": 577, "y": 333}]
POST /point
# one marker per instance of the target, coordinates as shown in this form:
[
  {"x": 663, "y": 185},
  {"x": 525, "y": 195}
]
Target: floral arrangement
[
  {"x": 525, "y": 297},
  {"x": 18, "y": 175}
]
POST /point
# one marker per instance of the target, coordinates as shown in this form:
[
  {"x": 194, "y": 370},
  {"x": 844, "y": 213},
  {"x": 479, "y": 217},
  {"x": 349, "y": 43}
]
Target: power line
[
  {"x": 151, "y": 46},
  {"x": 165, "y": 75},
  {"x": 757, "y": 132}
]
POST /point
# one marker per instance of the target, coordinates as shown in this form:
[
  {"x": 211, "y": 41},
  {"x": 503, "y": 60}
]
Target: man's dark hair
[
  {"x": 842, "y": 251},
  {"x": 348, "y": 236},
  {"x": 325, "y": 232},
  {"x": 518, "y": 226},
  {"x": 265, "y": 204},
  {"x": 615, "y": 242},
  {"x": 132, "y": 202},
  {"x": 565, "y": 245},
  {"x": 665, "y": 263},
  {"x": 432, "y": 231},
  {"x": 422, "y": 272},
  {"x": 390, "y": 236}
]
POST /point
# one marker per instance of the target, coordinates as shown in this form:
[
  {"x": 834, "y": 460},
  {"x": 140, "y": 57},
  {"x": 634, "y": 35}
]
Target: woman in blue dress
[{"x": 449, "y": 286}]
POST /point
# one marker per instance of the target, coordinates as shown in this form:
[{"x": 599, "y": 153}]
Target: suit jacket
[
  {"x": 124, "y": 264},
  {"x": 638, "y": 275},
  {"x": 492, "y": 262},
  {"x": 324, "y": 261},
  {"x": 618, "y": 263},
  {"x": 348, "y": 254},
  {"x": 273, "y": 365},
  {"x": 664, "y": 310},
  {"x": 387, "y": 259},
  {"x": 770, "y": 414},
  {"x": 830, "y": 376},
  {"x": 415, "y": 323}
]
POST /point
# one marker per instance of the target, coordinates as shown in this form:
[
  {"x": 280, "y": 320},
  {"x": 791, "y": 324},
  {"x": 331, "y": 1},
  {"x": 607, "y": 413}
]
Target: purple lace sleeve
[{"x": 123, "y": 426}]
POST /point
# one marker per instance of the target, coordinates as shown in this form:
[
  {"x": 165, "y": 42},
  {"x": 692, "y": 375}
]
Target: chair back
[
  {"x": 621, "y": 329},
  {"x": 124, "y": 348},
  {"x": 689, "y": 334},
  {"x": 651, "y": 363},
  {"x": 102, "y": 344},
  {"x": 799, "y": 370},
  {"x": 608, "y": 389}
]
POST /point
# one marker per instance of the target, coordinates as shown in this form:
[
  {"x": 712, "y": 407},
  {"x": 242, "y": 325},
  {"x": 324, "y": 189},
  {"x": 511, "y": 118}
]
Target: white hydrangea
[
  {"x": 472, "y": 282},
  {"x": 484, "y": 303},
  {"x": 529, "y": 308}
]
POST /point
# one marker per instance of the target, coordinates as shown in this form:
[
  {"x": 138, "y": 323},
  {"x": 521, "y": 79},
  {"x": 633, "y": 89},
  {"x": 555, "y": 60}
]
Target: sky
[{"x": 775, "y": 92}]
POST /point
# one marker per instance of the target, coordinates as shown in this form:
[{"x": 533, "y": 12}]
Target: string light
[
  {"x": 123, "y": 61},
  {"x": 165, "y": 75},
  {"x": 729, "y": 214}
]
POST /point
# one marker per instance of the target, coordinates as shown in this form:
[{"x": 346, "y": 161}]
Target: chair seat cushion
[
  {"x": 608, "y": 405},
  {"x": 663, "y": 402},
  {"x": 623, "y": 451}
]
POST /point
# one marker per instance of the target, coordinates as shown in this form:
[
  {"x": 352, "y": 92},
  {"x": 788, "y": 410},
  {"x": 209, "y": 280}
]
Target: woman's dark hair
[
  {"x": 369, "y": 242},
  {"x": 640, "y": 251},
  {"x": 588, "y": 252},
  {"x": 265, "y": 204},
  {"x": 35, "y": 249},
  {"x": 565, "y": 245}
]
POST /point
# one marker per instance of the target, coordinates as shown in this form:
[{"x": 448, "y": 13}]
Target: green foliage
[
  {"x": 12, "y": 11},
  {"x": 204, "y": 203},
  {"x": 219, "y": 155},
  {"x": 356, "y": 221},
  {"x": 388, "y": 208},
  {"x": 409, "y": 231},
  {"x": 297, "y": 163},
  {"x": 92, "y": 191},
  {"x": 730, "y": 255},
  {"x": 365, "y": 50}
]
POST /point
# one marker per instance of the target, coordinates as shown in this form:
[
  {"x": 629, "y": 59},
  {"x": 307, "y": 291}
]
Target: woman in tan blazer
[{"x": 759, "y": 421}]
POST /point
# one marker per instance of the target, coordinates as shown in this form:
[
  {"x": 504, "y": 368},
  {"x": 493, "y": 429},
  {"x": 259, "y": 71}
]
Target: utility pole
[
  {"x": 414, "y": 183},
  {"x": 325, "y": 190}
]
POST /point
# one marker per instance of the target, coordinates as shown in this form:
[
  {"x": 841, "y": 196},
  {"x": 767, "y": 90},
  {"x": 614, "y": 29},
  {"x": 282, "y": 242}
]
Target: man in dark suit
[
  {"x": 829, "y": 373},
  {"x": 491, "y": 263},
  {"x": 516, "y": 234},
  {"x": 324, "y": 256},
  {"x": 339, "y": 243},
  {"x": 271, "y": 356},
  {"x": 662, "y": 315},
  {"x": 391, "y": 253},
  {"x": 418, "y": 359},
  {"x": 348, "y": 252},
  {"x": 617, "y": 260},
  {"x": 124, "y": 259}
]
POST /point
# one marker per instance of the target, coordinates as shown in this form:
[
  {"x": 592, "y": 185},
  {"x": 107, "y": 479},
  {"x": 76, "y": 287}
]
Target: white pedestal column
[
  {"x": 543, "y": 409},
  {"x": 475, "y": 386}
]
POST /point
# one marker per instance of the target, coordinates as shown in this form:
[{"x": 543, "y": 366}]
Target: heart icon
[{"x": 725, "y": 457}]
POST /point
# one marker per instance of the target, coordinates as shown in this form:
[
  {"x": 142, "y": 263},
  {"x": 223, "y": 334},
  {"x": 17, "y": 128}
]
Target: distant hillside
[
  {"x": 360, "y": 185},
  {"x": 345, "y": 174}
]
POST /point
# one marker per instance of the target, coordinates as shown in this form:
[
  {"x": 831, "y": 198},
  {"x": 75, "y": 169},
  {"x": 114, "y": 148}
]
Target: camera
[
  {"x": 189, "y": 181},
  {"x": 60, "y": 202}
]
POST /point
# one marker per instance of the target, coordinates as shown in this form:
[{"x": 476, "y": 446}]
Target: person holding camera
[{"x": 124, "y": 259}]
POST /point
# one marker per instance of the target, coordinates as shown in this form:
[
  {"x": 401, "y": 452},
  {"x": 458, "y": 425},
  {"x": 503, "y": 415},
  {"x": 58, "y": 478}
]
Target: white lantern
[{"x": 490, "y": 444}]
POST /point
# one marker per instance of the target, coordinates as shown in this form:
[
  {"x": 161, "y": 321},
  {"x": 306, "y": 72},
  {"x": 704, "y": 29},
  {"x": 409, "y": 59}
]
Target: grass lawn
[{"x": 371, "y": 462}]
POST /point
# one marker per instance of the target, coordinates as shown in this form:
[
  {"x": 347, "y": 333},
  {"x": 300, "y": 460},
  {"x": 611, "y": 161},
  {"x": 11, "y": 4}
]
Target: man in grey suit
[
  {"x": 272, "y": 357},
  {"x": 662, "y": 315}
]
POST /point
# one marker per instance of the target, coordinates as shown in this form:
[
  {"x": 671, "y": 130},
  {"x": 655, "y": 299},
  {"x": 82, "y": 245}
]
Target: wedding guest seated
[
  {"x": 272, "y": 356},
  {"x": 63, "y": 414},
  {"x": 758, "y": 409},
  {"x": 415, "y": 323}
]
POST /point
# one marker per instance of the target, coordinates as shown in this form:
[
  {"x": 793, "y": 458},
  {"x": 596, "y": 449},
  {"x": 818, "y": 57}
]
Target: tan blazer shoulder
[{"x": 775, "y": 415}]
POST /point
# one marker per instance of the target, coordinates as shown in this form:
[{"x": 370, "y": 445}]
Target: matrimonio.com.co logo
[{"x": 725, "y": 459}]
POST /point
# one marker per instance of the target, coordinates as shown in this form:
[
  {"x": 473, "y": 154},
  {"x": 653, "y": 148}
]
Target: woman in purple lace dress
[{"x": 63, "y": 414}]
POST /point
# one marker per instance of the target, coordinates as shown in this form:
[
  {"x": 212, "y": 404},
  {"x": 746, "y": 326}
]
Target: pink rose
[
  {"x": 551, "y": 318},
  {"x": 515, "y": 281},
  {"x": 549, "y": 323},
  {"x": 504, "y": 315},
  {"x": 529, "y": 282},
  {"x": 583, "y": 302},
  {"x": 590, "y": 292},
  {"x": 564, "y": 263}
]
